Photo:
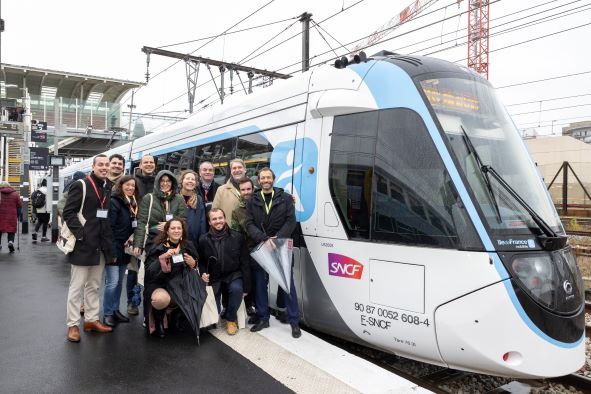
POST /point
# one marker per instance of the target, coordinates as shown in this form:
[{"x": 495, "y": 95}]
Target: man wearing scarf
[
  {"x": 224, "y": 264},
  {"x": 116, "y": 169}
]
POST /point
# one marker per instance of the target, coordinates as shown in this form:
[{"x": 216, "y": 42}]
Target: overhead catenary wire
[
  {"x": 551, "y": 109},
  {"x": 548, "y": 99}
]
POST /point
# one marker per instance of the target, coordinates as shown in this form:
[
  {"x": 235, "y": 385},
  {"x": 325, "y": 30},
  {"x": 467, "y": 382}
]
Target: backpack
[{"x": 38, "y": 199}]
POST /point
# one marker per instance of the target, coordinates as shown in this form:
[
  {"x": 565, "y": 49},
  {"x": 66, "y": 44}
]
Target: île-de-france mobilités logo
[{"x": 291, "y": 161}]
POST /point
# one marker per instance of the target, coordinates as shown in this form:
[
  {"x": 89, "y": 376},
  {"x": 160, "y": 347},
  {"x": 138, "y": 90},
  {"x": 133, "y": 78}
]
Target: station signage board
[
  {"x": 38, "y": 136},
  {"x": 39, "y": 159}
]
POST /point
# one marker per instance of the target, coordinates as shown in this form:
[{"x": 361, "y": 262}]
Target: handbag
[
  {"x": 209, "y": 313},
  {"x": 66, "y": 241}
]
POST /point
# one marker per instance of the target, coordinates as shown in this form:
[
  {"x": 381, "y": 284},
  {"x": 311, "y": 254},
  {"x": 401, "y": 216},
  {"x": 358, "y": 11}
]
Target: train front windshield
[{"x": 482, "y": 134}]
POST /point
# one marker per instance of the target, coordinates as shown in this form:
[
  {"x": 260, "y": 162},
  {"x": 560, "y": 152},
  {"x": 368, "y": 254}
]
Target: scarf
[
  {"x": 114, "y": 179},
  {"x": 132, "y": 206},
  {"x": 191, "y": 200},
  {"x": 219, "y": 235},
  {"x": 235, "y": 183}
]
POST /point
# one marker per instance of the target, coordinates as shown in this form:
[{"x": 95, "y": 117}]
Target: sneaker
[
  {"x": 231, "y": 328},
  {"x": 44, "y": 239},
  {"x": 34, "y": 236},
  {"x": 10, "y": 247},
  {"x": 132, "y": 310}
]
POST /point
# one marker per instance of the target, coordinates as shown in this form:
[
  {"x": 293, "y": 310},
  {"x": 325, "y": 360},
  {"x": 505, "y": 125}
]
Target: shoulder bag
[{"x": 66, "y": 240}]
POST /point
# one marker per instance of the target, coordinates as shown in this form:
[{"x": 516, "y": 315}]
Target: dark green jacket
[
  {"x": 238, "y": 222},
  {"x": 176, "y": 207}
]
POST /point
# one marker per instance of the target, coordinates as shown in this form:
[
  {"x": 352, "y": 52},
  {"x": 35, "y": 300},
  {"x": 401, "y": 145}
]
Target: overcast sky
[{"x": 105, "y": 38}]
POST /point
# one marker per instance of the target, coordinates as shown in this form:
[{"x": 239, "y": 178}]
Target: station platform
[{"x": 35, "y": 356}]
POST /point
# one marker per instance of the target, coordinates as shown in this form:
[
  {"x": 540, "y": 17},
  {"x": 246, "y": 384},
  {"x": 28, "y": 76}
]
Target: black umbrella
[{"x": 187, "y": 290}]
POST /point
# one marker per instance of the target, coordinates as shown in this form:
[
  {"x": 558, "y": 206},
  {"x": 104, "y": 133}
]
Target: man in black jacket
[
  {"x": 92, "y": 249},
  {"x": 145, "y": 175},
  {"x": 145, "y": 184},
  {"x": 224, "y": 264},
  {"x": 270, "y": 214},
  {"x": 207, "y": 186}
]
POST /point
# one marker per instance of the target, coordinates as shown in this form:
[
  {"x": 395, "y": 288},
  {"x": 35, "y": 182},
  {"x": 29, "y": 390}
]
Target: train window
[
  {"x": 390, "y": 185},
  {"x": 219, "y": 153},
  {"x": 176, "y": 161},
  {"x": 256, "y": 151},
  {"x": 427, "y": 215},
  {"x": 351, "y": 170}
]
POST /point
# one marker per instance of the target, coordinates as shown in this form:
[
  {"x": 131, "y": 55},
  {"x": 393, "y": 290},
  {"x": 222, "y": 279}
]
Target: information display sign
[{"x": 39, "y": 159}]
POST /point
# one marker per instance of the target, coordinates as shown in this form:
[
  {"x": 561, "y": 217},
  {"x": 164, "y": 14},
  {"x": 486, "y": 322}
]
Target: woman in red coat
[{"x": 10, "y": 206}]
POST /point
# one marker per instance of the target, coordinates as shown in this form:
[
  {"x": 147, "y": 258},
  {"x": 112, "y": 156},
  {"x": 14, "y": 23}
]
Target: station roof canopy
[{"x": 64, "y": 84}]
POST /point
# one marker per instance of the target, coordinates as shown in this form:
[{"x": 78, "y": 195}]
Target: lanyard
[
  {"x": 268, "y": 207},
  {"x": 177, "y": 249},
  {"x": 131, "y": 207},
  {"x": 102, "y": 202}
]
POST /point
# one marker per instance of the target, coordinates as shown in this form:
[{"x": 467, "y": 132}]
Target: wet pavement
[{"x": 35, "y": 356}]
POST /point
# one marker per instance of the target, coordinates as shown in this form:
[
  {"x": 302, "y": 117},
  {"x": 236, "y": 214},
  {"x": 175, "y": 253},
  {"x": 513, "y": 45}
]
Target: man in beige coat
[{"x": 227, "y": 196}]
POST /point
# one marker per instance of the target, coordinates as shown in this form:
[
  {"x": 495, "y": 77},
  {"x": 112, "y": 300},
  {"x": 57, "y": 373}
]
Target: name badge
[
  {"x": 101, "y": 213},
  {"x": 168, "y": 217},
  {"x": 178, "y": 258},
  {"x": 134, "y": 223}
]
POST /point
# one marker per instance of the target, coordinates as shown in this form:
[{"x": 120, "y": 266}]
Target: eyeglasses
[{"x": 165, "y": 181}]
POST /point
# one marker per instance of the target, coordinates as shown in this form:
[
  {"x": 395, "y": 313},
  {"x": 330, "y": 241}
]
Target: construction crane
[
  {"x": 407, "y": 14},
  {"x": 478, "y": 19},
  {"x": 478, "y": 27}
]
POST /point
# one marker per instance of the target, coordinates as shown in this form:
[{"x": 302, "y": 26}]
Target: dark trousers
[
  {"x": 9, "y": 235},
  {"x": 42, "y": 220},
  {"x": 261, "y": 279},
  {"x": 234, "y": 290},
  {"x": 131, "y": 282}
]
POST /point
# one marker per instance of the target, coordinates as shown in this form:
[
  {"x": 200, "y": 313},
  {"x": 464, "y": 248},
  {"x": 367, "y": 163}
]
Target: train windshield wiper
[
  {"x": 472, "y": 150},
  {"x": 551, "y": 240}
]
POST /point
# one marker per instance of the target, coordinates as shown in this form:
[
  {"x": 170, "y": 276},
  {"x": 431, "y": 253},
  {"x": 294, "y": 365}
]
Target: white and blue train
[{"x": 426, "y": 230}]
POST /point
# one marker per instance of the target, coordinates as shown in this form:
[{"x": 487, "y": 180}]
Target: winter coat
[
  {"x": 226, "y": 198},
  {"x": 96, "y": 234},
  {"x": 280, "y": 221},
  {"x": 210, "y": 193},
  {"x": 145, "y": 183},
  {"x": 238, "y": 222},
  {"x": 176, "y": 207},
  {"x": 196, "y": 220},
  {"x": 232, "y": 261},
  {"x": 10, "y": 204},
  {"x": 120, "y": 218},
  {"x": 156, "y": 278}
]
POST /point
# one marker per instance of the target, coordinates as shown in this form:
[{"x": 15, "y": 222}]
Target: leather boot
[{"x": 159, "y": 323}]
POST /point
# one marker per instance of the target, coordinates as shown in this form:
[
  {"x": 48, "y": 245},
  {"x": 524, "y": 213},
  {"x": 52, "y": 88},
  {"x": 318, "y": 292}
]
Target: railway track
[{"x": 446, "y": 380}]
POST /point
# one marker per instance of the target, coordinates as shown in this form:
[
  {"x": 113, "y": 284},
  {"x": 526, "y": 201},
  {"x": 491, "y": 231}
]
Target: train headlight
[{"x": 551, "y": 279}]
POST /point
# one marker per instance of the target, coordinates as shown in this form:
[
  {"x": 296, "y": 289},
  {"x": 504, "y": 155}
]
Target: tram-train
[{"x": 425, "y": 229}]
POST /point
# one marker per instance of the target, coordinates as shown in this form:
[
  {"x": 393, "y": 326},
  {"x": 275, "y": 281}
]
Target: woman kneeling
[{"x": 172, "y": 279}]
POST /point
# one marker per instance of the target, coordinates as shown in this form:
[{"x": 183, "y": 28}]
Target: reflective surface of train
[{"x": 426, "y": 230}]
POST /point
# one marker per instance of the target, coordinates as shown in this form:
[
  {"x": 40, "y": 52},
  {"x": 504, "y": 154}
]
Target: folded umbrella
[
  {"x": 276, "y": 260},
  {"x": 187, "y": 290}
]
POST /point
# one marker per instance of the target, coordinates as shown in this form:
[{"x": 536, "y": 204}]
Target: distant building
[{"x": 579, "y": 130}]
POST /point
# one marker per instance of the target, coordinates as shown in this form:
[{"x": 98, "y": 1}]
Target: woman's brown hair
[
  {"x": 162, "y": 236},
  {"x": 118, "y": 189}
]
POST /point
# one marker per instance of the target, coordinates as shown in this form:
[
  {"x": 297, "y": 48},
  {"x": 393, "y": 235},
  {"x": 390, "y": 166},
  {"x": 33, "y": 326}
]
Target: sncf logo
[{"x": 339, "y": 265}]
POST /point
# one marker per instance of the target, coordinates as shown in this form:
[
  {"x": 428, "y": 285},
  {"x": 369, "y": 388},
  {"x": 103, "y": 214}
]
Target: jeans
[
  {"x": 235, "y": 291},
  {"x": 113, "y": 284},
  {"x": 262, "y": 297},
  {"x": 131, "y": 282}
]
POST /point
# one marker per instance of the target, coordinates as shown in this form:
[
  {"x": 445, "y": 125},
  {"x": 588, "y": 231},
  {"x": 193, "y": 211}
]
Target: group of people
[{"x": 187, "y": 231}]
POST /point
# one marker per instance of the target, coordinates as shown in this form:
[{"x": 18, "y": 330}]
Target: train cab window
[
  {"x": 177, "y": 161},
  {"x": 390, "y": 184},
  {"x": 256, "y": 151}
]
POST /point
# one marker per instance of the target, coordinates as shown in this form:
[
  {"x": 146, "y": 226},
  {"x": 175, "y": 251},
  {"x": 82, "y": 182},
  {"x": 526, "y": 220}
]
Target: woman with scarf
[
  {"x": 194, "y": 205},
  {"x": 172, "y": 255},
  {"x": 156, "y": 209},
  {"x": 123, "y": 216},
  {"x": 225, "y": 265}
]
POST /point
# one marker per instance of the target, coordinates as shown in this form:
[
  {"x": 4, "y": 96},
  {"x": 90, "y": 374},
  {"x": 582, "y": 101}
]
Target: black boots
[{"x": 159, "y": 323}]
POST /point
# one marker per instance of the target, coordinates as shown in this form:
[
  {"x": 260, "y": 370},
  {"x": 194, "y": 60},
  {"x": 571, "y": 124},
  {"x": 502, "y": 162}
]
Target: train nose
[{"x": 487, "y": 331}]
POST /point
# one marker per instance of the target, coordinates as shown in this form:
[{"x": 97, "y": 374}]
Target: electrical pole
[{"x": 305, "y": 19}]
